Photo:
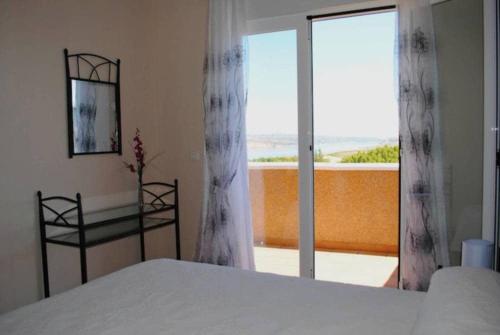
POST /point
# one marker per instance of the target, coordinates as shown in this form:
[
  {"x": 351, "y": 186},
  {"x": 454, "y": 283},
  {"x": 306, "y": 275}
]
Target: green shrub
[{"x": 384, "y": 154}]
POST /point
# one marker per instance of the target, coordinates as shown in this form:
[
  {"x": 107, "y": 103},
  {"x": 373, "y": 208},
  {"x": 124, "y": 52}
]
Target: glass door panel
[
  {"x": 356, "y": 153},
  {"x": 272, "y": 142}
]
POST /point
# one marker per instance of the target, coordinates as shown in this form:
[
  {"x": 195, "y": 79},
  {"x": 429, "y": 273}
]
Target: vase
[{"x": 140, "y": 195}]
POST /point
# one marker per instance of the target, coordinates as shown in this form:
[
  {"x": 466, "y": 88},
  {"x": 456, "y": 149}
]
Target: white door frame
[
  {"x": 304, "y": 104},
  {"x": 490, "y": 225},
  {"x": 490, "y": 115},
  {"x": 302, "y": 26}
]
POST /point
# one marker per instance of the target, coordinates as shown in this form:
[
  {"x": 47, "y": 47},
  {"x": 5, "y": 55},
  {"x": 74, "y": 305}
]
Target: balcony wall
[{"x": 356, "y": 206}]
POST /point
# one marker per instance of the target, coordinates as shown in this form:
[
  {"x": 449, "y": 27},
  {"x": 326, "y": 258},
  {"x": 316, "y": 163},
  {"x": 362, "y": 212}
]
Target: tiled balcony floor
[{"x": 359, "y": 269}]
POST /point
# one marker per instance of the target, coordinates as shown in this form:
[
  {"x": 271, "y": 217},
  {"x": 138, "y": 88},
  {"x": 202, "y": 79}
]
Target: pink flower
[
  {"x": 131, "y": 167},
  {"x": 138, "y": 152}
]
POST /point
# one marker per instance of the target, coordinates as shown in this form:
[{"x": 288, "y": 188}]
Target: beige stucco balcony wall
[{"x": 356, "y": 206}]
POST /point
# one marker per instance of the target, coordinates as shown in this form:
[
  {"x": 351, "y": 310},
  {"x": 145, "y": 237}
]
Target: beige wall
[
  {"x": 459, "y": 33},
  {"x": 179, "y": 53},
  {"x": 33, "y": 140}
]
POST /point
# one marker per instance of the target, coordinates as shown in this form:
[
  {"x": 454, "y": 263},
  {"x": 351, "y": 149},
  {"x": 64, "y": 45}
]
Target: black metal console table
[{"x": 85, "y": 230}]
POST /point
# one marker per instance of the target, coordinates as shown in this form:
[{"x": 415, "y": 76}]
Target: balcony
[{"x": 356, "y": 220}]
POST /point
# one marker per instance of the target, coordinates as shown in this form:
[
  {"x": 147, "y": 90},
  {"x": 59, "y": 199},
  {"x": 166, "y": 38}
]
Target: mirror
[
  {"x": 95, "y": 127},
  {"x": 93, "y": 104}
]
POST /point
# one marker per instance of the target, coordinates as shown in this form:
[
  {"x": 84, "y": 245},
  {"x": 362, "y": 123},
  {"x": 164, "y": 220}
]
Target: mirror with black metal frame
[{"x": 93, "y": 102}]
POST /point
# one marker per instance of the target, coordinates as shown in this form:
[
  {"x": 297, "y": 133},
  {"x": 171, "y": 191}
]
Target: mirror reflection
[{"x": 95, "y": 127}]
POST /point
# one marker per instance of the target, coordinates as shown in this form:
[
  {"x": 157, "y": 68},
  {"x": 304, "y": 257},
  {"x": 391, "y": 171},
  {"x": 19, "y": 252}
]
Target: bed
[{"x": 175, "y": 297}]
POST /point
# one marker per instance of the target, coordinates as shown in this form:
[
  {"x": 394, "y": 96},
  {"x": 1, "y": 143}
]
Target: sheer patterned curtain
[
  {"x": 423, "y": 216},
  {"x": 226, "y": 227},
  {"x": 84, "y": 116}
]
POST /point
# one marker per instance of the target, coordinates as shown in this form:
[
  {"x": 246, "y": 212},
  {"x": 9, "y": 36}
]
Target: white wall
[
  {"x": 459, "y": 33},
  {"x": 258, "y": 9}
]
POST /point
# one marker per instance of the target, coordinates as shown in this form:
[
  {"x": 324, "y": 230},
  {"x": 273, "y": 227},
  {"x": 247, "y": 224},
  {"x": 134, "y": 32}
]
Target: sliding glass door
[
  {"x": 356, "y": 152},
  {"x": 272, "y": 142},
  {"x": 325, "y": 193}
]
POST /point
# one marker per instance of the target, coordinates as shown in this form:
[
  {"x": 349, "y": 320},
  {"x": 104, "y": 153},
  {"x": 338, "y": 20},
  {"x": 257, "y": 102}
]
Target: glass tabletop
[
  {"x": 99, "y": 234},
  {"x": 116, "y": 213}
]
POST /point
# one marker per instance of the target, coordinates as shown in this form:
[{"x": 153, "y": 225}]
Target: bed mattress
[{"x": 174, "y": 297}]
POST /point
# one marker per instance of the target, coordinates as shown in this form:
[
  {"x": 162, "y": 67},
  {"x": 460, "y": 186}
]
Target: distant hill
[{"x": 284, "y": 148}]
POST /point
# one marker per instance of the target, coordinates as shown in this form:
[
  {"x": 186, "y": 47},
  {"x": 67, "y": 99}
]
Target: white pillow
[{"x": 461, "y": 300}]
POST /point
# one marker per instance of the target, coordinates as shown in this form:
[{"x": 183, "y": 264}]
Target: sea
[{"x": 265, "y": 146}]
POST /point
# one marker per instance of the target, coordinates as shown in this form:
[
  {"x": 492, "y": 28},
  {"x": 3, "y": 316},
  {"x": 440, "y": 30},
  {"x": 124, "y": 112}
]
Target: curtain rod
[
  {"x": 350, "y": 12},
  {"x": 435, "y": 2},
  {"x": 358, "y": 11}
]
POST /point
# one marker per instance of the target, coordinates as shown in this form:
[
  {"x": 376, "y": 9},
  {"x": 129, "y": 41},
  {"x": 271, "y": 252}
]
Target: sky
[{"x": 353, "y": 79}]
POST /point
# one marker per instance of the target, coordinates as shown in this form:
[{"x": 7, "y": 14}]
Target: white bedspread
[
  {"x": 171, "y": 297},
  {"x": 461, "y": 301}
]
